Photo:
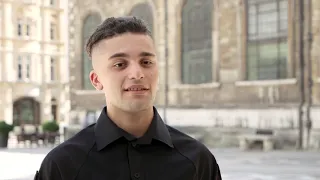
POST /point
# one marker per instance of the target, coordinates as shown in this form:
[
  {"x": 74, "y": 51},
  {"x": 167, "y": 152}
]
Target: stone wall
[{"x": 229, "y": 88}]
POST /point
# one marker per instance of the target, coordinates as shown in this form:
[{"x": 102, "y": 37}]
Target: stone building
[
  {"x": 34, "y": 83},
  {"x": 237, "y": 60}
]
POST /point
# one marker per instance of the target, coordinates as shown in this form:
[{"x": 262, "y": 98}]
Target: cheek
[
  {"x": 156, "y": 75},
  {"x": 153, "y": 72},
  {"x": 154, "y": 78},
  {"x": 112, "y": 84}
]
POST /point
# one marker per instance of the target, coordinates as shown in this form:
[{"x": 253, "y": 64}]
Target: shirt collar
[{"x": 106, "y": 131}]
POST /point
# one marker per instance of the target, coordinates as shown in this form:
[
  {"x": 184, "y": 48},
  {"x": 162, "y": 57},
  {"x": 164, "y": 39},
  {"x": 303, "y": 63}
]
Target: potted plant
[
  {"x": 50, "y": 128},
  {"x": 4, "y": 133}
]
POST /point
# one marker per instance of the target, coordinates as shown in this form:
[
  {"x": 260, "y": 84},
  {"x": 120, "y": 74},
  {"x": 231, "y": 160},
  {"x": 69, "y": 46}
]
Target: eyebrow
[{"x": 123, "y": 55}]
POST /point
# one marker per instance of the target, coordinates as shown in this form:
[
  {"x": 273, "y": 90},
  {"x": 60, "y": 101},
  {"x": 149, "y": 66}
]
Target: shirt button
[{"x": 137, "y": 175}]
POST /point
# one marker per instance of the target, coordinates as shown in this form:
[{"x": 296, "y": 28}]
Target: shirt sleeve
[
  {"x": 208, "y": 168},
  {"x": 49, "y": 170}
]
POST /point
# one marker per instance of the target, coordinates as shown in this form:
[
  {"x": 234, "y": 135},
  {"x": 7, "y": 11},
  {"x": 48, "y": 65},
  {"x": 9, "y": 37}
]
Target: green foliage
[
  {"x": 4, "y": 127},
  {"x": 50, "y": 126}
]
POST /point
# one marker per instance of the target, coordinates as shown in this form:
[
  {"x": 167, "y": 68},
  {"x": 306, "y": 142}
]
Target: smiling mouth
[{"x": 136, "y": 89}]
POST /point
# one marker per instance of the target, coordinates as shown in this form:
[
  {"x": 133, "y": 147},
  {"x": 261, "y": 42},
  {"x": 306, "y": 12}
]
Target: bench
[
  {"x": 265, "y": 136},
  {"x": 315, "y": 141}
]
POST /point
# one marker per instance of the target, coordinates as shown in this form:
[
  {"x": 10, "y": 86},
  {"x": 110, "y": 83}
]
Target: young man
[{"x": 129, "y": 141}]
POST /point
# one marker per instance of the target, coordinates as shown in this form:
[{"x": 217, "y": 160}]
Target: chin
[{"x": 137, "y": 106}]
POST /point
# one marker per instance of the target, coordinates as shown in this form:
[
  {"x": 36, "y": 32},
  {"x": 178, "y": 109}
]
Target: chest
[{"x": 137, "y": 164}]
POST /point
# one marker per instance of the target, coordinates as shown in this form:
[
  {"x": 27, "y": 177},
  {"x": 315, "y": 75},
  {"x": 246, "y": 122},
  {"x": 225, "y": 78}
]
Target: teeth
[{"x": 136, "y": 89}]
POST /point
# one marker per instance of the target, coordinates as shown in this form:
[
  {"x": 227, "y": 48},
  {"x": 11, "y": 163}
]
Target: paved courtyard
[
  {"x": 21, "y": 164},
  {"x": 278, "y": 165}
]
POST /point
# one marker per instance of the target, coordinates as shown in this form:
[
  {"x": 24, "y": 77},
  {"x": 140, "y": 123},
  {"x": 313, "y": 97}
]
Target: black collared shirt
[{"x": 103, "y": 151}]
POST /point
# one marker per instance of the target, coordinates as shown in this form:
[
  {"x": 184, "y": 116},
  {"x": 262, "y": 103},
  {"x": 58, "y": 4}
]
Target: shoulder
[
  {"x": 70, "y": 154},
  {"x": 202, "y": 158},
  {"x": 187, "y": 144},
  {"x": 78, "y": 145}
]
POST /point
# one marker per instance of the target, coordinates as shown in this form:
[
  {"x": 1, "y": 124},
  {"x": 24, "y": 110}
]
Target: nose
[{"x": 136, "y": 71}]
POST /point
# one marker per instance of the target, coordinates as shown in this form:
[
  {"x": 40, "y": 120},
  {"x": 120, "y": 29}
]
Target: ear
[{"x": 95, "y": 80}]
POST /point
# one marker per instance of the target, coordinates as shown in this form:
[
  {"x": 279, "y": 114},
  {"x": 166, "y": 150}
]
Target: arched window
[
  {"x": 267, "y": 47},
  {"x": 26, "y": 110},
  {"x": 89, "y": 25},
  {"x": 143, "y": 11},
  {"x": 196, "y": 42}
]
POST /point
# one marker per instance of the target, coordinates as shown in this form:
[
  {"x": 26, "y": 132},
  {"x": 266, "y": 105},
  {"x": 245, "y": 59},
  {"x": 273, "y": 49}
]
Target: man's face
[{"x": 126, "y": 69}]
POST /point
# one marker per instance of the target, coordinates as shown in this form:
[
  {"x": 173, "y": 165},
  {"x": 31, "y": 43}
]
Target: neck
[{"x": 135, "y": 123}]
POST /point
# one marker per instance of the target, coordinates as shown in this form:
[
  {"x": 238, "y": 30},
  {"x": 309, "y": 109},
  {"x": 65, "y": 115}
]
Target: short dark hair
[{"x": 115, "y": 26}]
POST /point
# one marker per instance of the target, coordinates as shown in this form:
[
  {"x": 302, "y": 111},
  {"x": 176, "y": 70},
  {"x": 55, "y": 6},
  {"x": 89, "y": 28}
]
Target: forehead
[{"x": 127, "y": 43}]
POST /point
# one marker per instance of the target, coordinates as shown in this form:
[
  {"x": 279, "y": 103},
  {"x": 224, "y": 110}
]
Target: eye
[
  {"x": 119, "y": 65},
  {"x": 146, "y": 62}
]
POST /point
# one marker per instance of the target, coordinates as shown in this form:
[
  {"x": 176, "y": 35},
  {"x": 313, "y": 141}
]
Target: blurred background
[{"x": 241, "y": 76}]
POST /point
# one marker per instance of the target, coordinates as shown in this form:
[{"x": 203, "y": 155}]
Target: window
[
  {"x": 24, "y": 27},
  {"x": 19, "y": 68},
  {"x": 52, "y": 31},
  {"x": 267, "y": 46},
  {"x": 28, "y": 29},
  {"x": 54, "y": 109},
  {"x": 24, "y": 67},
  {"x": 89, "y": 24},
  {"x": 19, "y": 28},
  {"x": 196, "y": 42},
  {"x": 144, "y": 11},
  {"x": 28, "y": 61},
  {"x": 52, "y": 69}
]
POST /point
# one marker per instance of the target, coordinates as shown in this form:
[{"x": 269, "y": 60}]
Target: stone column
[
  {"x": 67, "y": 104},
  {"x": 45, "y": 105},
  {"x": 2, "y": 102},
  {"x": 45, "y": 69},
  {"x": 7, "y": 105},
  {"x": 227, "y": 43},
  {"x": 8, "y": 31},
  {"x": 38, "y": 68},
  {"x": 10, "y": 73},
  {"x": 61, "y": 105},
  {"x": 64, "y": 106},
  {"x": 2, "y": 66}
]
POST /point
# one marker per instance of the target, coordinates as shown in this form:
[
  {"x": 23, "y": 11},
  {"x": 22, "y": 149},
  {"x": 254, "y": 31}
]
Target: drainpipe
[
  {"x": 301, "y": 77},
  {"x": 309, "y": 73},
  {"x": 166, "y": 102}
]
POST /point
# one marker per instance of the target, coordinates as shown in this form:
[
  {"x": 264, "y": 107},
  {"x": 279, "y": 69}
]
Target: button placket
[{"x": 135, "y": 162}]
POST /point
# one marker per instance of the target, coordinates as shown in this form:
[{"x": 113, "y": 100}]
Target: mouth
[{"x": 136, "y": 89}]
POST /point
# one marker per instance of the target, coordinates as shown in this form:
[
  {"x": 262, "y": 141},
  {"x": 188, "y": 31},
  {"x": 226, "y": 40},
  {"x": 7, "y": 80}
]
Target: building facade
[
  {"x": 34, "y": 76},
  {"x": 237, "y": 60}
]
